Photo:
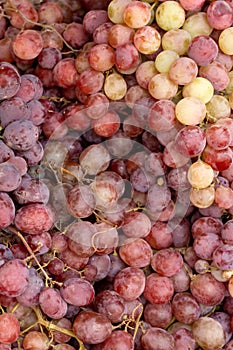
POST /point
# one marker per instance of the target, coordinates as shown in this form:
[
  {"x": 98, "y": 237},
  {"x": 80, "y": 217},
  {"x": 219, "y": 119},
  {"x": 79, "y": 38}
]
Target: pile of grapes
[{"x": 116, "y": 175}]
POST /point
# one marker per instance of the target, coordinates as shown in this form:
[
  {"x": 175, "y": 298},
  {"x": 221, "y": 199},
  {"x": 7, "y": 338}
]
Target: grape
[
  {"x": 30, "y": 296},
  {"x": 13, "y": 109},
  {"x": 158, "y": 197},
  {"x": 172, "y": 157},
  {"x": 90, "y": 81},
  {"x": 84, "y": 292},
  {"x": 31, "y": 191},
  {"x": 156, "y": 339},
  {"x": 200, "y": 174},
  {"x": 72, "y": 260},
  {"x": 181, "y": 232},
  {"x": 220, "y": 15},
  {"x": 164, "y": 60},
  {"x": 222, "y": 257},
  {"x": 219, "y": 160},
  {"x": 191, "y": 6},
  {"x": 181, "y": 280},
  {"x": 119, "y": 145},
  {"x": 14, "y": 276},
  {"x": 190, "y": 110},
  {"x": 102, "y": 264},
  {"x": 7, "y": 210},
  {"x": 225, "y": 320},
  {"x": 144, "y": 72},
  {"x": 136, "y": 224},
  {"x": 136, "y": 14},
  {"x": 160, "y": 235},
  {"x": 51, "y": 303},
  {"x": 130, "y": 283},
  {"x": 226, "y": 232},
  {"x": 224, "y": 41},
  {"x": 27, "y": 44},
  {"x": 167, "y": 262},
  {"x": 185, "y": 308},
  {"x": 158, "y": 289},
  {"x": 120, "y": 34},
  {"x": 205, "y": 244},
  {"x": 81, "y": 201},
  {"x": 190, "y": 141},
  {"x": 217, "y": 74},
  {"x": 147, "y": 40},
  {"x": 208, "y": 333},
  {"x": 49, "y": 57},
  {"x": 115, "y": 86},
  {"x": 207, "y": 290},
  {"x": 101, "y": 33},
  {"x": 107, "y": 125},
  {"x": 158, "y": 315},
  {"x": 34, "y": 218},
  {"x": 10, "y": 80},
  {"x": 96, "y": 105},
  {"x": 203, "y": 50},
  {"x": 35, "y": 340},
  {"x": 119, "y": 340},
  {"x": 21, "y": 135},
  {"x": 162, "y": 115},
  {"x": 136, "y": 252},
  {"x": 101, "y": 57},
  {"x": 110, "y": 304},
  {"x": 202, "y": 198},
  {"x": 200, "y": 88},
  {"x": 177, "y": 41},
  {"x": 218, "y": 137},
  {"x": 162, "y": 87},
  {"x": 93, "y": 19},
  {"x": 60, "y": 337},
  {"x": 30, "y": 88},
  {"x": 80, "y": 238},
  {"x": 50, "y": 13},
  {"x": 10, "y": 328},
  {"x": 183, "y": 339},
  {"x": 178, "y": 67},
  {"x": 170, "y": 15},
  {"x": 84, "y": 324},
  {"x": 37, "y": 112},
  {"x": 228, "y": 123},
  {"x": 224, "y": 197}
]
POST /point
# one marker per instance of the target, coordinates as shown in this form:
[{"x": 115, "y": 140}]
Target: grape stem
[
  {"x": 45, "y": 26},
  {"x": 48, "y": 279},
  {"x": 52, "y": 327}
]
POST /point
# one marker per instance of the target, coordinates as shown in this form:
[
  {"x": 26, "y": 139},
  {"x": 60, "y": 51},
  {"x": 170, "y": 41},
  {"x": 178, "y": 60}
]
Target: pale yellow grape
[
  {"x": 170, "y": 15},
  {"x": 190, "y": 111},
  {"x": 225, "y": 41},
  {"x": 164, "y": 60},
  {"x": 177, "y": 40},
  {"x": 219, "y": 107},
  {"x": 197, "y": 24},
  {"x": 162, "y": 87},
  {"x": 116, "y": 10},
  {"x": 200, "y": 88},
  {"x": 229, "y": 87},
  {"x": 115, "y": 87},
  {"x": 200, "y": 174},
  {"x": 202, "y": 198}
]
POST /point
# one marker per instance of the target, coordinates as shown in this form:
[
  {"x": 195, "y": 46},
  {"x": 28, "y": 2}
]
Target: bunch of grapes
[{"x": 116, "y": 175}]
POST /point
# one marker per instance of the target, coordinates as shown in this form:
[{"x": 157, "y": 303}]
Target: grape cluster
[{"x": 116, "y": 175}]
